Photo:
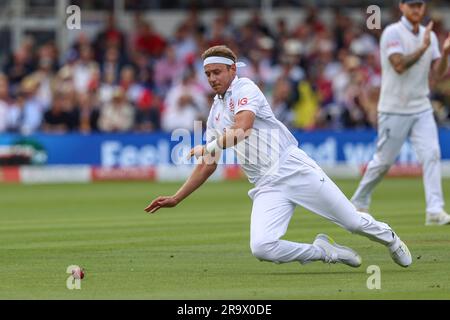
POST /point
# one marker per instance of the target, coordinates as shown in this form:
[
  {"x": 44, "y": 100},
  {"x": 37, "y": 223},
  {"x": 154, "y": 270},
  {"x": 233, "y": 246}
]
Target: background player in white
[
  {"x": 284, "y": 176},
  {"x": 409, "y": 52}
]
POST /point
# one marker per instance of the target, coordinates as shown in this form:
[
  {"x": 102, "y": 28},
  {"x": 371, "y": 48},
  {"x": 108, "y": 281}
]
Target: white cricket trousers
[
  {"x": 393, "y": 130},
  {"x": 300, "y": 181}
]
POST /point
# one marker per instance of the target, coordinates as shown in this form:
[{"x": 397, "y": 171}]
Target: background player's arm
[
  {"x": 440, "y": 66},
  {"x": 401, "y": 62},
  {"x": 200, "y": 174}
]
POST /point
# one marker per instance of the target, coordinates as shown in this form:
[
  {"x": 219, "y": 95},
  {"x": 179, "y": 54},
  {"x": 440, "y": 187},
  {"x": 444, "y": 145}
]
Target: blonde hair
[{"x": 219, "y": 51}]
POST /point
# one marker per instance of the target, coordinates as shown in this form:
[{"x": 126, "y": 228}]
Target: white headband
[{"x": 223, "y": 60}]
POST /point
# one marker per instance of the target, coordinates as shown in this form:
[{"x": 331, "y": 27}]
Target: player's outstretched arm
[
  {"x": 200, "y": 174},
  {"x": 401, "y": 62},
  {"x": 210, "y": 153}
]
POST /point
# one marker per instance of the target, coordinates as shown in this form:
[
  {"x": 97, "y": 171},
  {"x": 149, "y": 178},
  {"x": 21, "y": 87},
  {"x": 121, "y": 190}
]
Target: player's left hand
[{"x": 197, "y": 151}]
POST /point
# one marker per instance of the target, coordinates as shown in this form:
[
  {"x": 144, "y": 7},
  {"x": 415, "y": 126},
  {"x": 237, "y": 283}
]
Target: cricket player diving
[
  {"x": 283, "y": 175},
  {"x": 409, "y": 55}
]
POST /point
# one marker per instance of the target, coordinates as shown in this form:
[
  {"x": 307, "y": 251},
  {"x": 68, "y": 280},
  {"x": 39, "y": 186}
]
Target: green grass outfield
[{"x": 200, "y": 250}]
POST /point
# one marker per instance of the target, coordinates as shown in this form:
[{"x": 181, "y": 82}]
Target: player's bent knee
[{"x": 263, "y": 250}]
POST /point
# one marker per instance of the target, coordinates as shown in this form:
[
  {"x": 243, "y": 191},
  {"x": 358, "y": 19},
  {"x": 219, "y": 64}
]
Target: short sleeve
[
  {"x": 391, "y": 42},
  {"x": 248, "y": 98},
  {"x": 436, "y": 53}
]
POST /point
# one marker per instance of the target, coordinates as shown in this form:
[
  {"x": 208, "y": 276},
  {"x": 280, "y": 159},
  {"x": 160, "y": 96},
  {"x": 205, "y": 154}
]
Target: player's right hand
[
  {"x": 427, "y": 35},
  {"x": 161, "y": 202}
]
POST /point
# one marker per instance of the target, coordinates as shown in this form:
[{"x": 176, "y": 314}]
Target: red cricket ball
[{"x": 78, "y": 273}]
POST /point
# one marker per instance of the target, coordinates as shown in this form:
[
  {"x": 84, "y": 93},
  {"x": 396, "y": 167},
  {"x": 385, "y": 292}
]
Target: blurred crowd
[{"x": 315, "y": 75}]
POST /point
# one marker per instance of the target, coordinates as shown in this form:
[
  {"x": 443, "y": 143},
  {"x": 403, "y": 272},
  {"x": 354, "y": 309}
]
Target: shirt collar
[
  {"x": 407, "y": 24},
  {"x": 229, "y": 88}
]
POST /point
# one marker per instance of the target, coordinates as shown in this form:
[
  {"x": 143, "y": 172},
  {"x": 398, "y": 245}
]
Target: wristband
[{"x": 212, "y": 146}]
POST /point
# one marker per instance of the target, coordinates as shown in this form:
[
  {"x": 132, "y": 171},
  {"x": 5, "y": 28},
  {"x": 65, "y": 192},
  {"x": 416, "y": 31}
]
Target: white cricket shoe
[
  {"x": 335, "y": 253},
  {"x": 400, "y": 253},
  {"x": 439, "y": 219}
]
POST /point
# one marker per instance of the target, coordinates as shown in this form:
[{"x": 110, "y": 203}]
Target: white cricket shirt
[
  {"x": 405, "y": 93},
  {"x": 260, "y": 153}
]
